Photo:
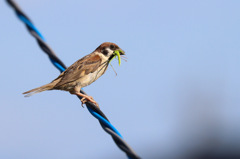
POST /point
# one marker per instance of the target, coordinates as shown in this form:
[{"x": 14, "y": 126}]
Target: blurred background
[{"x": 176, "y": 97}]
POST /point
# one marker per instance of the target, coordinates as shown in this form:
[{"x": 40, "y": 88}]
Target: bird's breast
[{"x": 92, "y": 77}]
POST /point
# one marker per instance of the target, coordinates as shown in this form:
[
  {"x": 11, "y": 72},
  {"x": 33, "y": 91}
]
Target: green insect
[{"x": 116, "y": 54}]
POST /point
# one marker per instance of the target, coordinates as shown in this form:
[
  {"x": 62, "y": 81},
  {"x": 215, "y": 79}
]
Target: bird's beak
[
  {"x": 117, "y": 53},
  {"x": 121, "y": 52}
]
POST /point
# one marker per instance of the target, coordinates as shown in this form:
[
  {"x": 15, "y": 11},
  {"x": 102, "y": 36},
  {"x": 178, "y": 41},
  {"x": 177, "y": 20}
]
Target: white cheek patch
[
  {"x": 110, "y": 52},
  {"x": 106, "y": 57},
  {"x": 103, "y": 57}
]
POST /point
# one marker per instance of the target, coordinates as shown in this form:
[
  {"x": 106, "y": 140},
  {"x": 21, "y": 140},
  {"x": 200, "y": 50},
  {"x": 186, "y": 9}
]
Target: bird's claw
[
  {"x": 90, "y": 99},
  {"x": 83, "y": 100}
]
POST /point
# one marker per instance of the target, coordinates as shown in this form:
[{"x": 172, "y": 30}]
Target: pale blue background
[{"x": 179, "y": 90}]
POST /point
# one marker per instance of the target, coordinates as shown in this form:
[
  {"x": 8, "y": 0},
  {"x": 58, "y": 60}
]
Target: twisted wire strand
[{"x": 93, "y": 109}]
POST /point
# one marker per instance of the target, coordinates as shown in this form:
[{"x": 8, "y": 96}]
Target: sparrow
[{"x": 83, "y": 72}]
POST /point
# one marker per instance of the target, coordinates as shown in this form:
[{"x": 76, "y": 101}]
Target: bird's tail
[{"x": 39, "y": 89}]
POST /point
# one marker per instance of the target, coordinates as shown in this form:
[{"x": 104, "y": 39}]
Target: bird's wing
[{"x": 80, "y": 68}]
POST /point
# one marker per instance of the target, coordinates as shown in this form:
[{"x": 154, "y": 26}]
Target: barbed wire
[{"x": 93, "y": 109}]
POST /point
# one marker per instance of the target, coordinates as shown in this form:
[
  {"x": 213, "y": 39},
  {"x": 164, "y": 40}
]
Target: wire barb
[{"x": 93, "y": 109}]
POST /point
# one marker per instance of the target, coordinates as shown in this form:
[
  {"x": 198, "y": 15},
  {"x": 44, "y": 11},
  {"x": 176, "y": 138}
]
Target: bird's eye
[{"x": 112, "y": 47}]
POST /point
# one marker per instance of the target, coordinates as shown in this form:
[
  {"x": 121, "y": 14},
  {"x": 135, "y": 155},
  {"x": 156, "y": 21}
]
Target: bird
[{"x": 83, "y": 72}]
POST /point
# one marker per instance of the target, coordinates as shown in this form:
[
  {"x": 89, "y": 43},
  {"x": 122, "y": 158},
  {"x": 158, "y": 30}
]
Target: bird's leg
[{"x": 85, "y": 98}]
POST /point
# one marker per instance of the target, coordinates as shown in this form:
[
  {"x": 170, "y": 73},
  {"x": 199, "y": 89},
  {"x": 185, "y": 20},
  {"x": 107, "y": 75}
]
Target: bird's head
[{"x": 110, "y": 50}]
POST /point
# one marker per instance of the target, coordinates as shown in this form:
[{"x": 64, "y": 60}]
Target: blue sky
[{"x": 179, "y": 86}]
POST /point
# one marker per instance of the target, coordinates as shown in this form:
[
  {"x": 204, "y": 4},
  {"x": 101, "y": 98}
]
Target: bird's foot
[
  {"x": 90, "y": 99},
  {"x": 85, "y": 98}
]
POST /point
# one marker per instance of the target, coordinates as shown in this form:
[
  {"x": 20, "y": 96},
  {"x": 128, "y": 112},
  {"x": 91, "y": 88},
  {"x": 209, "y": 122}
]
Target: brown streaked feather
[
  {"x": 101, "y": 67},
  {"x": 80, "y": 68}
]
